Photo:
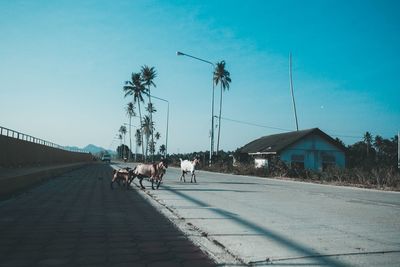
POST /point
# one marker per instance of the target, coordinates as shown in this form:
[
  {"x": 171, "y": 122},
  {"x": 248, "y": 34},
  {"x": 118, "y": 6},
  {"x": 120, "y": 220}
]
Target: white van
[{"x": 106, "y": 158}]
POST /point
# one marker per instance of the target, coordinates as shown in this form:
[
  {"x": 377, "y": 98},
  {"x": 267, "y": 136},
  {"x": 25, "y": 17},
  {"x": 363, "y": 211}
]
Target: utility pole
[
  {"x": 291, "y": 90},
  {"x": 398, "y": 150}
]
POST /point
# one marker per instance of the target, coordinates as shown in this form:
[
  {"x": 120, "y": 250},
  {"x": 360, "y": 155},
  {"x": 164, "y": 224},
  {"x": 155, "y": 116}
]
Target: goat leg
[
  {"x": 112, "y": 181},
  {"x": 140, "y": 181},
  {"x": 158, "y": 185}
]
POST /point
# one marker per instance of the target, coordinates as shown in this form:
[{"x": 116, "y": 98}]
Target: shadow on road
[{"x": 325, "y": 261}]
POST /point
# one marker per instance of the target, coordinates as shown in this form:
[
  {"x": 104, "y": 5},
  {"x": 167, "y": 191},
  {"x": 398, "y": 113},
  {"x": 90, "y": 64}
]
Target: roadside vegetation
[
  {"x": 146, "y": 136},
  {"x": 139, "y": 88},
  {"x": 370, "y": 163}
]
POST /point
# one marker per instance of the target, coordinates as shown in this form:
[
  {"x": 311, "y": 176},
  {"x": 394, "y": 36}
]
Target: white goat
[{"x": 189, "y": 166}]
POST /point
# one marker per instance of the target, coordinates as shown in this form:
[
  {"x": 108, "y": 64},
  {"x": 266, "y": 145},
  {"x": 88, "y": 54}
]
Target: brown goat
[
  {"x": 125, "y": 175},
  {"x": 152, "y": 171}
]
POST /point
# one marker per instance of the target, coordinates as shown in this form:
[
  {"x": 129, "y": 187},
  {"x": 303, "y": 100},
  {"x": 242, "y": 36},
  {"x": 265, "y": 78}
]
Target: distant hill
[
  {"x": 92, "y": 149},
  {"x": 97, "y": 149}
]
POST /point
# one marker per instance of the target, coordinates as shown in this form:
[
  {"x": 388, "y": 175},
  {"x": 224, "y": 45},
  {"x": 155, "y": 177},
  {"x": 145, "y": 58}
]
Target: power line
[
  {"x": 257, "y": 125},
  {"x": 347, "y": 136},
  {"x": 282, "y": 129}
]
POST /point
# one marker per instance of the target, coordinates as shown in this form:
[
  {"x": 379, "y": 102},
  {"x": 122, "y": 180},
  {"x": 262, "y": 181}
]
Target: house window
[
  {"x": 297, "y": 162},
  {"x": 328, "y": 161}
]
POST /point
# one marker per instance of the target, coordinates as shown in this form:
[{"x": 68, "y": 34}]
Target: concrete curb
[{"x": 21, "y": 180}]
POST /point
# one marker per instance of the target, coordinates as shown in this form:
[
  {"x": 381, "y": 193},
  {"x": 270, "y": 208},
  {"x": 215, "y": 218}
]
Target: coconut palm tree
[
  {"x": 148, "y": 76},
  {"x": 130, "y": 111},
  {"x": 150, "y": 108},
  {"x": 221, "y": 76},
  {"x": 379, "y": 147},
  {"x": 136, "y": 88},
  {"x": 138, "y": 136},
  {"x": 368, "y": 141},
  {"x": 162, "y": 150},
  {"x": 157, "y": 136},
  {"x": 120, "y": 144},
  {"x": 147, "y": 127},
  {"x": 122, "y": 130}
]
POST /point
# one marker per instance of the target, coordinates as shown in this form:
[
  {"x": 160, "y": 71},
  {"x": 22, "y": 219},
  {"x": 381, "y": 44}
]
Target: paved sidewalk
[{"x": 76, "y": 220}]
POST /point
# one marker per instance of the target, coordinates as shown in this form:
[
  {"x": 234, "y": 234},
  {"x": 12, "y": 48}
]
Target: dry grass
[{"x": 379, "y": 178}]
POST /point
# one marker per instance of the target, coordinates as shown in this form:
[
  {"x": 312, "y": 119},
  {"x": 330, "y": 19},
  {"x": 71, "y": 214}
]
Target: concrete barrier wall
[{"x": 18, "y": 153}]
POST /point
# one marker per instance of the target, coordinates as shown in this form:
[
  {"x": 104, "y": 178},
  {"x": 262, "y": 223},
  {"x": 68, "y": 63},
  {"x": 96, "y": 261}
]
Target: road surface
[
  {"x": 76, "y": 220},
  {"x": 259, "y": 221}
]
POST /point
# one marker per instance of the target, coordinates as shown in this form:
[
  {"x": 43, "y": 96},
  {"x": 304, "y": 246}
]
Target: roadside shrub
[{"x": 384, "y": 177}]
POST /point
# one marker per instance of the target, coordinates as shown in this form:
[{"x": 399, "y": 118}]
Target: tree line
[
  {"x": 146, "y": 137},
  {"x": 370, "y": 162},
  {"x": 373, "y": 152}
]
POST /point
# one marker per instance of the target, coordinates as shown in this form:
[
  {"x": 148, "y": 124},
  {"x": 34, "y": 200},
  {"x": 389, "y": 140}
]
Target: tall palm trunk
[
  {"x": 147, "y": 145},
  {"x": 124, "y": 146},
  {"x": 141, "y": 129},
  {"x": 219, "y": 120},
  {"x": 130, "y": 138},
  {"x": 223, "y": 76},
  {"x": 151, "y": 122}
]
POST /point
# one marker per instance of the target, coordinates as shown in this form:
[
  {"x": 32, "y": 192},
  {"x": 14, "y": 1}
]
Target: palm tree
[
  {"x": 120, "y": 144},
  {"x": 157, "y": 136},
  {"x": 378, "y": 144},
  {"x": 147, "y": 127},
  {"x": 150, "y": 108},
  {"x": 148, "y": 76},
  {"x": 130, "y": 111},
  {"x": 122, "y": 130},
  {"x": 138, "y": 136},
  {"x": 222, "y": 76},
  {"x": 368, "y": 141},
  {"x": 136, "y": 88},
  {"x": 162, "y": 150}
]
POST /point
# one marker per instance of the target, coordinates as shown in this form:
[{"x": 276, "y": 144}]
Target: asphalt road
[
  {"x": 258, "y": 221},
  {"x": 75, "y": 219}
]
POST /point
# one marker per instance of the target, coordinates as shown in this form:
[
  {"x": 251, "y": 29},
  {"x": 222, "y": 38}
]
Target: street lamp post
[
  {"x": 212, "y": 107},
  {"x": 166, "y": 135}
]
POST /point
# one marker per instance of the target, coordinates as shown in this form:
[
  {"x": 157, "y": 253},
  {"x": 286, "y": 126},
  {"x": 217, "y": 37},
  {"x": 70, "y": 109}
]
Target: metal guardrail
[{"x": 25, "y": 137}]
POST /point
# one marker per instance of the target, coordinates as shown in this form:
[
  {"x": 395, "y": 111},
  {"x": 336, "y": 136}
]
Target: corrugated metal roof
[{"x": 278, "y": 142}]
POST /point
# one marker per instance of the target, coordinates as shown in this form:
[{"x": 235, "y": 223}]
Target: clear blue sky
[{"x": 63, "y": 65}]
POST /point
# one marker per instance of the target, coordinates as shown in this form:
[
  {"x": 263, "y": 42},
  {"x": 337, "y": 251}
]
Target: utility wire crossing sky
[{"x": 64, "y": 63}]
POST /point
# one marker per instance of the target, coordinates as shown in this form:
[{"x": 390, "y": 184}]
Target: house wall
[{"x": 316, "y": 151}]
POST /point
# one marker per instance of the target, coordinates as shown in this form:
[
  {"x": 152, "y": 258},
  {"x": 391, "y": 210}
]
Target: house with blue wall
[{"x": 307, "y": 149}]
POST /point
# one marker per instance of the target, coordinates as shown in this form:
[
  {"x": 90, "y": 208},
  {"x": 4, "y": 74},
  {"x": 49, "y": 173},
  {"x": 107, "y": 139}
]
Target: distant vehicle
[{"x": 106, "y": 158}]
